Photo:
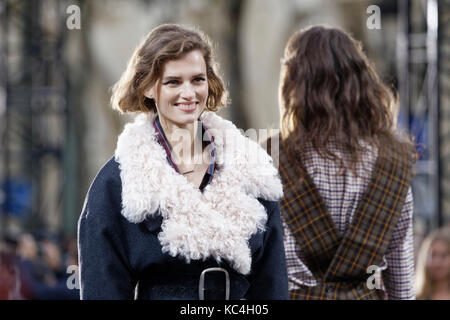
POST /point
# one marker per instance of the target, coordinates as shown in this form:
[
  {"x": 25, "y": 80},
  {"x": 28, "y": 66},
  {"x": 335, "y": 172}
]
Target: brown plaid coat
[{"x": 339, "y": 262}]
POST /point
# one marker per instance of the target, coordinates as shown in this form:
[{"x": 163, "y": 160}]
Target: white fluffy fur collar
[{"x": 196, "y": 225}]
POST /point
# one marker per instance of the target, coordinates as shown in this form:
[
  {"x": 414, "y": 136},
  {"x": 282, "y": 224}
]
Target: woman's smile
[{"x": 187, "y": 106}]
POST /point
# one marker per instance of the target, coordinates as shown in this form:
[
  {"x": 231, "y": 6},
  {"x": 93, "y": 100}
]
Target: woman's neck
[
  {"x": 184, "y": 140},
  {"x": 441, "y": 287}
]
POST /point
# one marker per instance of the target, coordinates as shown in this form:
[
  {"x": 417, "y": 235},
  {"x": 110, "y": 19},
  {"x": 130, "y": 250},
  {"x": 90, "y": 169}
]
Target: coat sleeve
[
  {"x": 105, "y": 271},
  {"x": 268, "y": 279}
]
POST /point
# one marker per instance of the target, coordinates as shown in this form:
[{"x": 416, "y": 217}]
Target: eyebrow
[{"x": 177, "y": 78}]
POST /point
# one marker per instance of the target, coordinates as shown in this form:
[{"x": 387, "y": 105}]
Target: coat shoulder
[
  {"x": 105, "y": 190},
  {"x": 108, "y": 176}
]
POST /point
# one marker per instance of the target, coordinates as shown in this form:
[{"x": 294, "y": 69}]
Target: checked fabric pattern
[{"x": 340, "y": 262}]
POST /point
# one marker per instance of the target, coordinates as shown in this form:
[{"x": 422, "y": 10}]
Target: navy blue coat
[{"x": 115, "y": 255}]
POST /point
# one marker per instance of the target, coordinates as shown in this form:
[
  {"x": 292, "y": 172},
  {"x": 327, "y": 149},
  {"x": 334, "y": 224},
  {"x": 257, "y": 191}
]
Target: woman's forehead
[{"x": 192, "y": 62}]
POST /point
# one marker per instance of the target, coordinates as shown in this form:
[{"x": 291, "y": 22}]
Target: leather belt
[{"x": 201, "y": 285}]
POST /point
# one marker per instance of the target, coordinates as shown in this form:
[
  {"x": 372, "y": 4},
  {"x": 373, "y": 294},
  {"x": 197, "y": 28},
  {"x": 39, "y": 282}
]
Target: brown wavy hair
[
  {"x": 328, "y": 89},
  {"x": 164, "y": 43}
]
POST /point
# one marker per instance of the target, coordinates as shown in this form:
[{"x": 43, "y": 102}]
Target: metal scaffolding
[
  {"x": 3, "y": 113},
  {"x": 417, "y": 61},
  {"x": 35, "y": 115},
  {"x": 444, "y": 106}
]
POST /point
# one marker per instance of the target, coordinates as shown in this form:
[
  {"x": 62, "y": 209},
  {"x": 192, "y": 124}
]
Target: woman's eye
[
  {"x": 199, "y": 79},
  {"x": 171, "y": 82}
]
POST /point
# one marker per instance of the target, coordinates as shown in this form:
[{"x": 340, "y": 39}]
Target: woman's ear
[{"x": 150, "y": 93}]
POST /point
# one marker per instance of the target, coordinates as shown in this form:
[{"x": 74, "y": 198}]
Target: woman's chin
[{"x": 186, "y": 120}]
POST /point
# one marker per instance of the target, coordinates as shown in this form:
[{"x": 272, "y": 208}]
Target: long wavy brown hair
[{"x": 329, "y": 90}]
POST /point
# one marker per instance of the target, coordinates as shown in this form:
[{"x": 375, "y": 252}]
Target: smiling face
[{"x": 181, "y": 92}]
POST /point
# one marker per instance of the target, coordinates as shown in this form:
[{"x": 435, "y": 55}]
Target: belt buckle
[{"x": 201, "y": 285}]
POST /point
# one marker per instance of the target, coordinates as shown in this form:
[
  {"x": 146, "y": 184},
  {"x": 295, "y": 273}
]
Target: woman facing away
[
  {"x": 346, "y": 172},
  {"x": 433, "y": 266},
  {"x": 180, "y": 212}
]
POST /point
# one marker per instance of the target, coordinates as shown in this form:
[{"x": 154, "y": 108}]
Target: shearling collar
[{"x": 216, "y": 223}]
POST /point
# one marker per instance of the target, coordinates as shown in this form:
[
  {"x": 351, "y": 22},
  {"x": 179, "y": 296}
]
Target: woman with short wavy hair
[{"x": 177, "y": 213}]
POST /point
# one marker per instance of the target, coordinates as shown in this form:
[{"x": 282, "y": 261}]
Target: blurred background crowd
[
  {"x": 58, "y": 59},
  {"x": 34, "y": 267}
]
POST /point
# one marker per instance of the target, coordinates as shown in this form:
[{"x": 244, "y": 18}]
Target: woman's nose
[{"x": 187, "y": 92}]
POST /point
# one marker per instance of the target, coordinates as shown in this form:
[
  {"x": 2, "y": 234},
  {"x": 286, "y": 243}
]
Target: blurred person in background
[
  {"x": 52, "y": 258},
  {"x": 30, "y": 263},
  {"x": 433, "y": 266},
  {"x": 70, "y": 252},
  {"x": 42, "y": 269},
  {"x": 9, "y": 280},
  {"x": 7, "y": 272},
  {"x": 346, "y": 173},
  {"x": 160, "y": 219},
  {"x": 14, "y": 284},
  {"x": 28, "y": 251},
  {"x": 52, "y": 283}
]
